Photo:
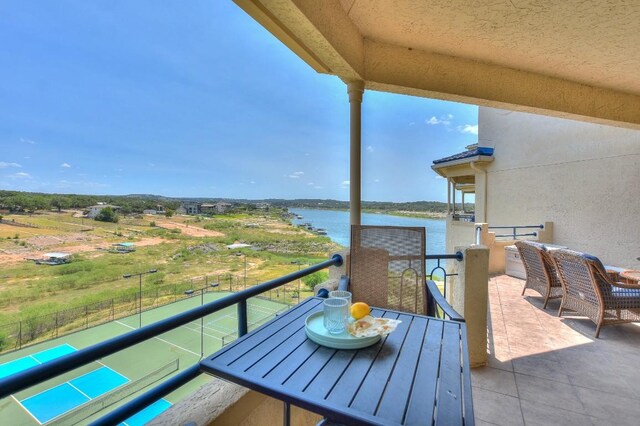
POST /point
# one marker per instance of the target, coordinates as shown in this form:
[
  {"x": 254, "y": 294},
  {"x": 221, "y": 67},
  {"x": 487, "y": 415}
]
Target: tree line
[{"x": 28, "y": 202}]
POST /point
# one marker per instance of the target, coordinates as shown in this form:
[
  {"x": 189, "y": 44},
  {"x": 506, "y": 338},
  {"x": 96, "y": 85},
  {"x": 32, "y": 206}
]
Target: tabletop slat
[
  {"x": 450, "y": 389},
  {"x": 394, "y": 400},
  {"x": 373, "y": 385},
  {"x": 348, "y": 384},
  {"x": 423, "y": 391}
]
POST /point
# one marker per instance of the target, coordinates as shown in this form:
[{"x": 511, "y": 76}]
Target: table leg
[{"x": 286, "y": 417}]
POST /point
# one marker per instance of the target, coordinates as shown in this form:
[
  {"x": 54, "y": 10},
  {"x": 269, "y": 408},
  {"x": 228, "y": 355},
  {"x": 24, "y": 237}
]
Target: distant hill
[{"x": 135, "y": 203}]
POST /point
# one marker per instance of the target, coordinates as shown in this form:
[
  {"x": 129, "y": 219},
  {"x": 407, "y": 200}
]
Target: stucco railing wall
[{"x": 496, "y": 247}]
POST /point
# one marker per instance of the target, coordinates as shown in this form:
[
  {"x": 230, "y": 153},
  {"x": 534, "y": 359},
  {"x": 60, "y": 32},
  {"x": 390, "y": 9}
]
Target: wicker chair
[
  {"x": 386, "y": 267},
  {"x": 589, "y": 290},
  {"x": 541, "y": 271}
]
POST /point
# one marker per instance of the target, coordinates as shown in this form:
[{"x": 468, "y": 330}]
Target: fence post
[
  {"x": 56, "y": 313},
  {"x": 86, "y": 316},
  {"x": 242, "y": 318},
  {"x": 113, "y": 313},
  {"x": 20, "y": 335}
]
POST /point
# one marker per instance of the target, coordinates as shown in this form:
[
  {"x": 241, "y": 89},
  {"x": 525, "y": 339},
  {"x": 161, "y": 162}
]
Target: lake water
[{"x": 336, "y": 223}]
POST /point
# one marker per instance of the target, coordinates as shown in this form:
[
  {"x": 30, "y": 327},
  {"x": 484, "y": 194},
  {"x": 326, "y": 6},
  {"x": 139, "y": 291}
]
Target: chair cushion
[{"x": 624, "y": 298}]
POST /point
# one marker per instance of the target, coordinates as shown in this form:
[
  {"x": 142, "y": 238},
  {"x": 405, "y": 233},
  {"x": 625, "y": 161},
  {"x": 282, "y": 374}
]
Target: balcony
[
  {"x": 548, "y": 370},
  {"x": 541, "y": 370}
]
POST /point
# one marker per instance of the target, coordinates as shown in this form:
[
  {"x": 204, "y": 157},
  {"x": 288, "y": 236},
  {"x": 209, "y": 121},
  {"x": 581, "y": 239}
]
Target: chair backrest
[
  {"x": 387, "y": 267},
  {"x": 538, "y": 263},
  {"x": 582, "y": 275}
]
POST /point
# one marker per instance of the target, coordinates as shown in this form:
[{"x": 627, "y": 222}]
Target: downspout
[{"x": 477, "y": 169}]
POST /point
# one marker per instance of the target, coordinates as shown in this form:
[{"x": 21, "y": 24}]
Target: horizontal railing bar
[
  {"x": 132, "y": 407},
  {"x": 518, "y": 226},
  {"x": 53, "y": 368},
  {"x": 457, "y": 256},
  {"x": 532, "y": 234}
]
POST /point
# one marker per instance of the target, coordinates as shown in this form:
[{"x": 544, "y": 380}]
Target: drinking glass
[
  {"x": 341, "y": 294},
  {"x": 336, "y": 311}
]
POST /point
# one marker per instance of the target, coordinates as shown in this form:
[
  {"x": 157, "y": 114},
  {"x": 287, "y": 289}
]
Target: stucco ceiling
[{"x": 596, "y": 42}]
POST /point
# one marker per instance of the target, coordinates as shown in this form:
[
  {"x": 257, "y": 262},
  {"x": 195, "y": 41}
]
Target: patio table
[{"x": 419, "y": 374}]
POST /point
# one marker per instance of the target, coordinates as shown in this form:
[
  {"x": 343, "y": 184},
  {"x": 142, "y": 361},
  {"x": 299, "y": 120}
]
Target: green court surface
[{"x": 187, "y": 344}]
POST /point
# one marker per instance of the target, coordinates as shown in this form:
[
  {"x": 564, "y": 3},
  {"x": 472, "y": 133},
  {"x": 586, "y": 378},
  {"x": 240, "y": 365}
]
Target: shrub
[
  {"x": 152, "y": 224},
  {"x": 316, "y": 278},
  {"x": 107, "y": 215}
]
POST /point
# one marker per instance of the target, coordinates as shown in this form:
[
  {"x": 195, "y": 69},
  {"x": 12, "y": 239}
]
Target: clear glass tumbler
[
  {"x": 336, "y": 312},
  {"x": 341, "y": 294}
]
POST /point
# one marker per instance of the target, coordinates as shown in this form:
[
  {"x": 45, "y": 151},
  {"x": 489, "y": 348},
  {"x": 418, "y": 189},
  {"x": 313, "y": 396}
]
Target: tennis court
[{"x": 80, "y": 394}]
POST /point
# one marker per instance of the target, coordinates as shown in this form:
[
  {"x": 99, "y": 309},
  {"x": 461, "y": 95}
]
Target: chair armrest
[
  {"x": 433, "y": 293},
  {"x": 344, "y": 283}
]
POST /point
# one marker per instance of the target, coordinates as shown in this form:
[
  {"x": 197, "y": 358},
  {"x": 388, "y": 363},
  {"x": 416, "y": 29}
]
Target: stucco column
[
  {"x": 469, "y": 296},
  {"x": 355, "y": 90}
]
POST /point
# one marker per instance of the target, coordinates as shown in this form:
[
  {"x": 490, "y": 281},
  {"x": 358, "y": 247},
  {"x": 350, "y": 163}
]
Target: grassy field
[{"x": 182, "y": 248}]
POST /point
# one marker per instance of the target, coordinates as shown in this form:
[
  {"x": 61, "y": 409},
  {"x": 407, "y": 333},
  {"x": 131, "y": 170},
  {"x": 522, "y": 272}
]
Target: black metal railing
[
  {"x": 434, "y": 295},
  {"x": 40, "y": 373},
  {"x": 514, "y": 234}
]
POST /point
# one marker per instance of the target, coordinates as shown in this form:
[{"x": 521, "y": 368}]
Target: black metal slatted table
[{"x": 417, "y": 375}]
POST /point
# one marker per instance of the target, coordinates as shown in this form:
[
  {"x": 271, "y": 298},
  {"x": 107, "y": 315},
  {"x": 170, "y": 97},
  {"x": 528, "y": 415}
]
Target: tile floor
[{"x": 545, "y": 370}]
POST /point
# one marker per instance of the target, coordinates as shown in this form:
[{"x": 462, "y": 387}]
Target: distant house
[
  {"x": 207, "y": 208},
  {"x": 94, "y": 211},
  {"x": 189, "y": 207},
  {"x": 222, "y": 207},
  {"x": 263, "y": 206}
]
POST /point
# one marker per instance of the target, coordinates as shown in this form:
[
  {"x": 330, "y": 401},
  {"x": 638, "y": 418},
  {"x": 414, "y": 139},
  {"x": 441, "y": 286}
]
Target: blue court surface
[
  {"x": 59, "y": 399},
  {"x": 24, "y": 363},
  {"x": 147, "y": 414}
]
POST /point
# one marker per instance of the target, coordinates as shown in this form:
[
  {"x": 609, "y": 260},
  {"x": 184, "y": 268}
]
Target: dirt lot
[
  {"x": 189, "y": 230},
  {"x": 19, "y": 254}
]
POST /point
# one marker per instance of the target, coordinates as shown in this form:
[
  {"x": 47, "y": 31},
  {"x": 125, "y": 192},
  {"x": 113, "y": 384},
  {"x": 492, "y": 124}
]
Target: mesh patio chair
[
  {"x": 589, "y": 290},
  {"x": 386, "y": 267},
  {"x": 541, "y": 271}
]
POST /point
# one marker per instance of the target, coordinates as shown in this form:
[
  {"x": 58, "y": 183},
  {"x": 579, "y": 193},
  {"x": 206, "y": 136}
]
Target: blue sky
[{"x": 196, "y": 99}]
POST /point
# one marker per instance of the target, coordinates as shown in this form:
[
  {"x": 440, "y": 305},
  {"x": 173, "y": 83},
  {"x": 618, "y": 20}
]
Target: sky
[{"x": 196, "y": 99}]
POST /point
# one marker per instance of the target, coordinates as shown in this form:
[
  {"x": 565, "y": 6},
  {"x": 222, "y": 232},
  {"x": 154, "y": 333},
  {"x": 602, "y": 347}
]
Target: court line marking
[
  {"x": 70, "y": 384},
  {"x": 162, "y": 340},
  {"x": 25, "y": 409}
]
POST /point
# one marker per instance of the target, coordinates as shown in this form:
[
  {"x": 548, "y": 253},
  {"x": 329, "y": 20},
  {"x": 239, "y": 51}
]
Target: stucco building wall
[{"x": 583, "y": 177}]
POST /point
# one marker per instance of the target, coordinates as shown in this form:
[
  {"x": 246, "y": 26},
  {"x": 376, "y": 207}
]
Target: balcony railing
[
  {"x": 54, "y": 368},
  {"x": 514, "y": 231},
  {"x": 434, "y": 296}
]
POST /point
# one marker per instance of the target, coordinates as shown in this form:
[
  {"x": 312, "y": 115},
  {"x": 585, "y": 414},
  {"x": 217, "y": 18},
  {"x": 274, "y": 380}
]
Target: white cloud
[
  {"x": 376, "y": 180},
  {"x": 369, "y": 148},
  {"x": 317, "y": 187},
  {"x": 20, "y": 175},
  {"x": 310, "y": 183},
  {"x": 445, "y": 120},
  {"x": 5, "y": 165},
  {"x": 296, "y": 175},
  {"x": 468, "y": 128},
  {"x": 345, "y": 183},
  {"x": 252, "y": 182},
  {"x": 65, "y": 165},
  {"x": 413, "y": 123},
  {"x": 29, "y": 141}
]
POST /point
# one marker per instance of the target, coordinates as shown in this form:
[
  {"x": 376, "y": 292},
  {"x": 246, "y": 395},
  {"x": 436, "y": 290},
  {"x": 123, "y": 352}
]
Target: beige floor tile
[
  {"x": 614, "y": 409},
  {"x": 548, "y": 392},
  {"x": 540, "y": 367},
  {"x": 496, "y": 408},
  {"x": 544, "y": 415},
  {"x": 494, "y": 379}
]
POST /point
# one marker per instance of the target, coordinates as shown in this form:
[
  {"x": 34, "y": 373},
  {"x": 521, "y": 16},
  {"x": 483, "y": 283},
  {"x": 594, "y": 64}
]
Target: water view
[{"x": 336, "y": 224}]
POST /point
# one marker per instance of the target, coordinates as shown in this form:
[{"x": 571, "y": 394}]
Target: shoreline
[{"x": 400, "y": 213}]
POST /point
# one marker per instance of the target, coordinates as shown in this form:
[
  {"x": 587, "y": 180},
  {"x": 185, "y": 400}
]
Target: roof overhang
[
  {"x": 461, "y": 167},
  {"x": 567, "y": 59}
]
